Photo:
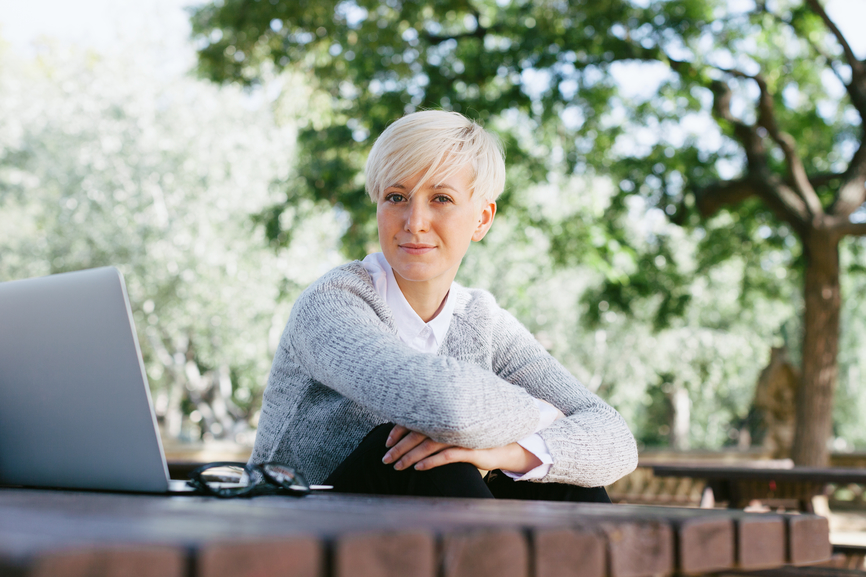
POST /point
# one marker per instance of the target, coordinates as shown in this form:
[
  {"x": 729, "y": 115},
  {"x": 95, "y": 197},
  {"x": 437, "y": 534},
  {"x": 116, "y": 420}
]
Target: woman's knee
[{"x": 451, "y": 480}]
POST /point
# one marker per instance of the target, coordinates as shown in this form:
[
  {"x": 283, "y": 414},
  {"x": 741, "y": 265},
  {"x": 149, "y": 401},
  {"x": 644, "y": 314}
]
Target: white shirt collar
[{"x": 412, "y": 330}]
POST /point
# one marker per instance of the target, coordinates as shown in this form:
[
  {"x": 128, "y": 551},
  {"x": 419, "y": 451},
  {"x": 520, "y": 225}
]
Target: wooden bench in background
[{"x": 740, "y": 485}]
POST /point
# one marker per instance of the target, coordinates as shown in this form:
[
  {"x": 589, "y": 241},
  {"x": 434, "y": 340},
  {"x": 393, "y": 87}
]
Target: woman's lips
[{"x": 412, "y": 248}]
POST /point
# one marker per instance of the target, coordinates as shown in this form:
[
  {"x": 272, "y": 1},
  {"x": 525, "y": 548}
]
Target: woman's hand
[
  {"x": 407, "y": 447},
  {"x": 410, "y": 448}
]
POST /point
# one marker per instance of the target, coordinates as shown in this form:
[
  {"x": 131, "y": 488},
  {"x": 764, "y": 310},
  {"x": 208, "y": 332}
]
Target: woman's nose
[{"x": 418, "y": 216}]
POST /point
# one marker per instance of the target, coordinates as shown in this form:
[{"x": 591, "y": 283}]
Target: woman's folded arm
[
  {"x": 337, "y": 336},
  {"x": 592, "y": 446}
]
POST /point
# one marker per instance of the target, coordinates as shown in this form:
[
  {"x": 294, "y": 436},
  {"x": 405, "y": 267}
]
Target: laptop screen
[{"x": 75, "y": 408}]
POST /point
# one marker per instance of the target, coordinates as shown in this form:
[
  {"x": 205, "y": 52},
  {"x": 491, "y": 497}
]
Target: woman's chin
[
  {"x": 415, "y": 276},
  {"x": 418, "y": 274}
]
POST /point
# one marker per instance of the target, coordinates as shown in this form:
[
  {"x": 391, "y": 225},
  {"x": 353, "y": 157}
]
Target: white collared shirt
[
  {"x": 412, "y": 330},
  {"x": 428, "y": 337}
]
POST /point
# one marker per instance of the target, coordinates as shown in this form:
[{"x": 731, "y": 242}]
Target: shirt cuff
[
  {"x": 535, "y": 445},
  {"x": 547, "y": 414}
]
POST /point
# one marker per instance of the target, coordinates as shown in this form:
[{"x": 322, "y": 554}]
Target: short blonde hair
[{"x": 440, "y": 143}]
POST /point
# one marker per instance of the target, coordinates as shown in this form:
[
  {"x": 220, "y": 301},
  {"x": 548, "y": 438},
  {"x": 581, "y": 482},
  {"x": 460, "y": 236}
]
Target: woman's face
[{"x": 425, "y": 237}]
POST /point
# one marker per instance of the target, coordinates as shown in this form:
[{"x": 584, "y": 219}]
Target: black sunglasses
[{"x": 227, "y": 479}]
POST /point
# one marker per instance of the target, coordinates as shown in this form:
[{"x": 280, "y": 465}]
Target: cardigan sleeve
[
  {"x": 592, "y": 446},
  {"x": 337, "y": 336}
]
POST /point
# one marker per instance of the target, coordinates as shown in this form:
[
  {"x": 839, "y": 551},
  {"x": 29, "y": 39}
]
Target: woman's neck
[{"x": 426, "y": 298}]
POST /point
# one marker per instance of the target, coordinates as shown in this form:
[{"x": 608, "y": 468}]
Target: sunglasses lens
[
  {"x": 225, "y": 474},
  {"x": 225, "y": 479},
  {"x": 285, "y": 476}
]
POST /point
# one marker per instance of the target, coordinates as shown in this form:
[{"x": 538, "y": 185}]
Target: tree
[
  {"x": 816, "y": 205},
  {"x": 777, "y": 177}
]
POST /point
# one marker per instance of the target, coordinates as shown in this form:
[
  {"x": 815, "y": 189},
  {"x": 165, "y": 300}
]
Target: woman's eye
[
  {"x": 442, "y": 198},
  {"x": 394, "y": 197}
]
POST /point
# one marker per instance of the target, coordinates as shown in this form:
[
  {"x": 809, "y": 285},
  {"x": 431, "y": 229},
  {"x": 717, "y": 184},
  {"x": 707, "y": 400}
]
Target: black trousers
[{"x": 364, "y": 472}]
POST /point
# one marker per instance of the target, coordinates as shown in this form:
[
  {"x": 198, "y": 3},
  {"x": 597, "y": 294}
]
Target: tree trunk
[{"x": 820, "y": 348}]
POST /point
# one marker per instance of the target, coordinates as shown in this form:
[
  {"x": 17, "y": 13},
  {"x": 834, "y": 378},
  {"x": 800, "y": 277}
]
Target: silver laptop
[{"x": 75, "y": 407}]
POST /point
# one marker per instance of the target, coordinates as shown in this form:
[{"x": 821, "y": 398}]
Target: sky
[
  {"x": 101, "y": 25},
  {"x": 92, "y": 23}
]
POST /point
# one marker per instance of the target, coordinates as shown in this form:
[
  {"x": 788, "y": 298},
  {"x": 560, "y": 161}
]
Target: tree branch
[
  {"x": 851, "y": 229},
  {"x": 823, "y": 178},
  {"x": 716, "y": 196},
  {"x": 785, "y": 201},
  {"x": 857, "y": 87},
  {"x": 852, "y": 192},
  {"x": 756, "y": 154},
  {"x": 850, "y": 57},
  {"x": 479, "y": 32},
  {"x": 796, "y": 170},
  {"x": 775, "y": 194}
]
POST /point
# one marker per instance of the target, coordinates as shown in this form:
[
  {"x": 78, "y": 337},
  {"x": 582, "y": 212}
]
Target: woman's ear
[{"x": 485, "y": 221}]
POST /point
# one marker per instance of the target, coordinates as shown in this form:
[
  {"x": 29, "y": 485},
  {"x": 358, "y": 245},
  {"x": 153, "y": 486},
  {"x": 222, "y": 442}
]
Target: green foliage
[
  {"x": 544, "y": 75},
  {"x": 518, "y": 67}
]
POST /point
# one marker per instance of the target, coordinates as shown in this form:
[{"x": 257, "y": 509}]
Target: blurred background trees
[
  {"x": 114, "y": 165},
  {"x": 782, "y": 168},
  {"x": 221, "y": 204}
]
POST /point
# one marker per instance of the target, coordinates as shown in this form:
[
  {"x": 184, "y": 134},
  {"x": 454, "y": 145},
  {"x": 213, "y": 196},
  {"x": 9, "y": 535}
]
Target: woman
[{"x": 392, "y": 379}]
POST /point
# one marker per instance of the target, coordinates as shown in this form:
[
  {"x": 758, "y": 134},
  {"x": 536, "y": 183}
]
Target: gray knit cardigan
[{"x": 341, "y": 370}]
